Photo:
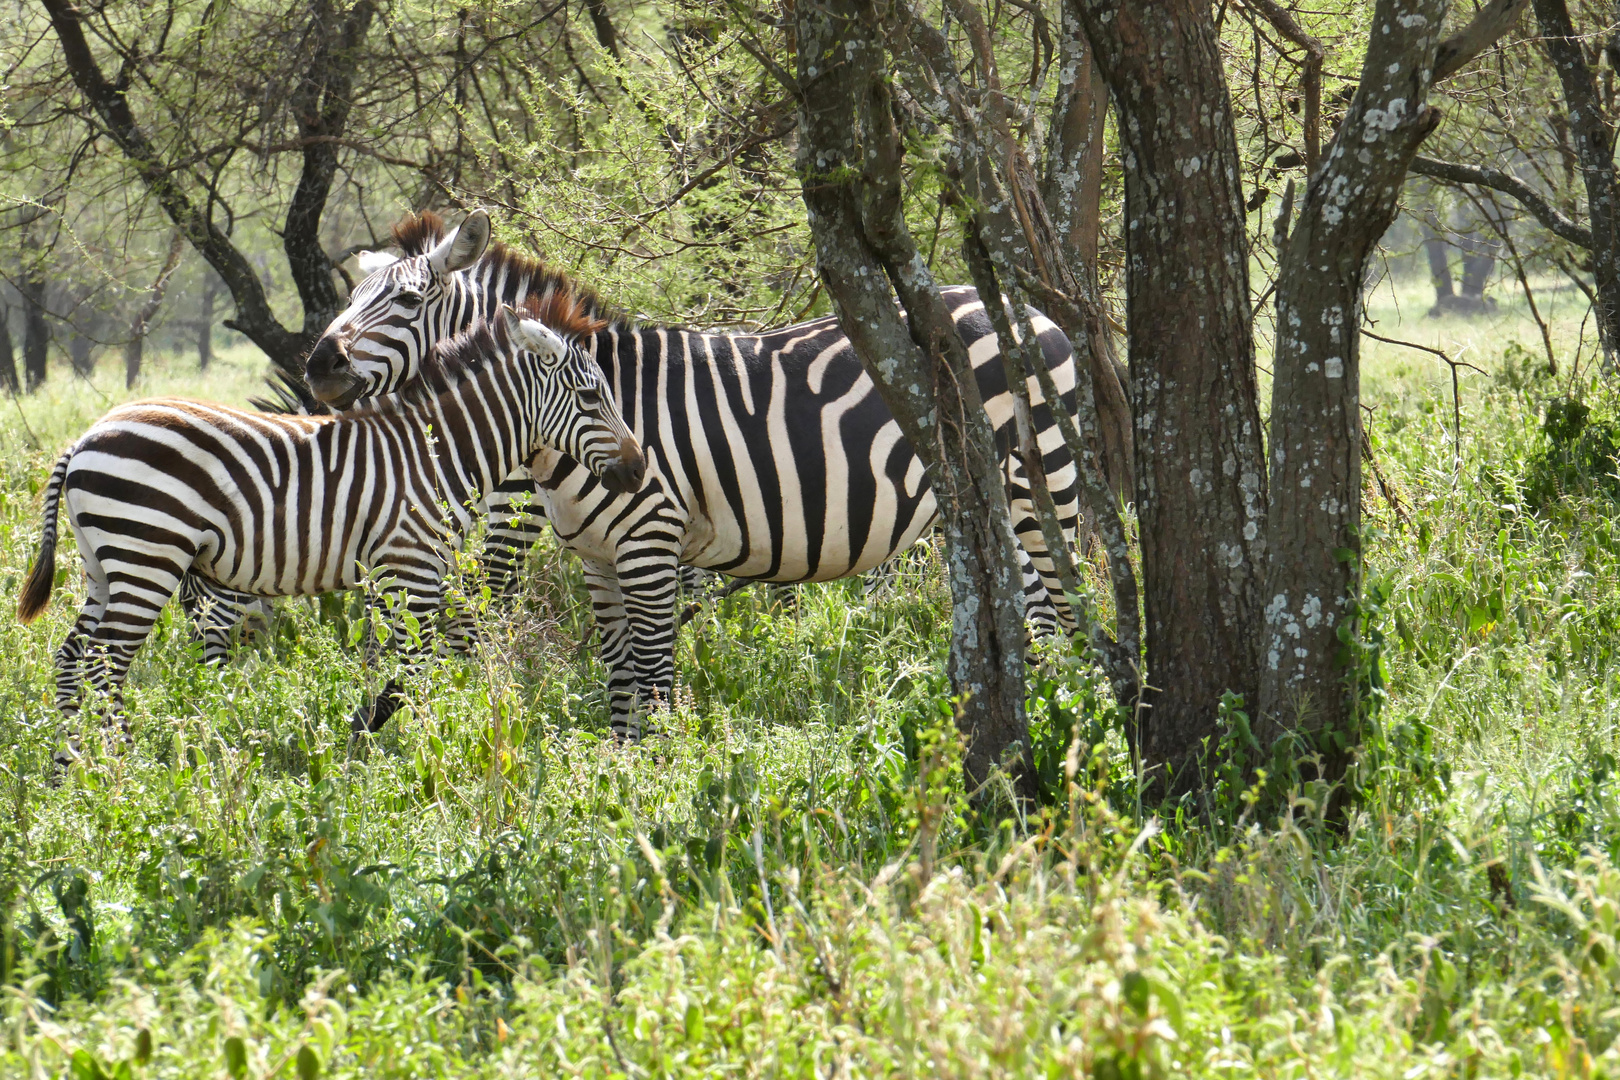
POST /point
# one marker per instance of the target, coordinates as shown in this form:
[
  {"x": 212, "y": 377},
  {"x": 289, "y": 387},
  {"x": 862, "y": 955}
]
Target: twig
[
  {"x": 1456, "y": 386},
  {"x": 1378, "y": 475},
  {"x": 1500, "y": 228}
]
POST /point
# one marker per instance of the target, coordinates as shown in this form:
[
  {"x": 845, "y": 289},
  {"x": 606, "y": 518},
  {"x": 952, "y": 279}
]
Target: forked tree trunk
[
  {"x": 1438, "y": 252},
  {"x": 1012, "y": 248},
  {"x": 1200, "y": 470},
  {"x": 850, "y": 166},
  {"x": 1313, "y": 542},
  {"x": 135, "y": 347}
]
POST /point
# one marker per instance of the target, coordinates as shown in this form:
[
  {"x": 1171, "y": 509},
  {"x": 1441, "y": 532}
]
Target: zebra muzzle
[
  {"x": 329, "y": 375},
  {"x": 626, "y": 474}
]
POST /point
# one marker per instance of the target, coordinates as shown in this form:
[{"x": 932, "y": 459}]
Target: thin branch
[
  {"x": 1507, "y": 184},
  {"x": 1456, "y": 387},
  {"x": 1488, "y": 24},
  {"x": 1282, "y": 20}
]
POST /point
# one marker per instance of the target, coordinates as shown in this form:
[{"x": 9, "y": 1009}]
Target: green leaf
[
  {"x": 86, "y": 1067},
  {"x": 143, "y": 1046},
  {"x": 309, "y": 1063},
  {"x": 236, "y": 1056},
  {"x": 1136, "y": 990},
  {"x": 694, "y": 1022}
]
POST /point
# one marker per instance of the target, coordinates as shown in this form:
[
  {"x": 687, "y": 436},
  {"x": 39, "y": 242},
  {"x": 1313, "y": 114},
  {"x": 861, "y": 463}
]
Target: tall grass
[{"x": 789, "y": 879}]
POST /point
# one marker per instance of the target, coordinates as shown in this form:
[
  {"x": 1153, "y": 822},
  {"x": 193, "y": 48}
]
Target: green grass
[{"x": 788, "y": 879}]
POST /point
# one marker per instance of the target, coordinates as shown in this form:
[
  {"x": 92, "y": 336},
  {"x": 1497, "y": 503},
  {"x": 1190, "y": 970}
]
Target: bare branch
[
  {"x": 1490, "y": 23},
  {"x": 1527, "y": 196}
]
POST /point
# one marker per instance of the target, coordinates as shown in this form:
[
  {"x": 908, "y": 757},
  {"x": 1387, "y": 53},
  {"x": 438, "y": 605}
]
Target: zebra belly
[{"x": 592, "y": 525}]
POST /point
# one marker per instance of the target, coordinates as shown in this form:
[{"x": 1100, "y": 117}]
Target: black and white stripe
[
  {"x": 770, "y": 456},
  {"x": 257, "y": 505}
]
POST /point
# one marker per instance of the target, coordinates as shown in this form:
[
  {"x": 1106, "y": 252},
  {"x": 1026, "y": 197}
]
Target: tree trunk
[
  {"x": 136, "y": 345},
  {"x": 1439, "y": 255},
  {"x": 1594, "y": 149},
  {"x": 8, "y": 358},
  {"x": 1313, "y": 537},
  {"x": 850, "y": 166},
  {"x": 81, "y": 354},
  {"x": 321, "y": 107},
  {"x": 205, "y": 322},
  {"x": 1071, "y": 190},
  {"x": 1012, "y": 247},
  {"x": 36, "y": 331},
  {"x": 1200, "y": 473}
]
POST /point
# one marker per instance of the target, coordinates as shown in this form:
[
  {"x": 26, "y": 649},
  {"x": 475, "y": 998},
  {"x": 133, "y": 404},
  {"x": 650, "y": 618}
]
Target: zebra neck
[{"x": 484, "y": 428}]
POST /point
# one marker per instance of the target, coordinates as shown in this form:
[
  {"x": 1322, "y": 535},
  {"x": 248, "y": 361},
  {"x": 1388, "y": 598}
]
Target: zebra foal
[{"x": 259, "y": 505}]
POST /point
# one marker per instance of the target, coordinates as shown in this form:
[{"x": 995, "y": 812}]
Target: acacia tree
[
  {"x": 1200, "y": 473},
  {"x": 850, "y": 164}
]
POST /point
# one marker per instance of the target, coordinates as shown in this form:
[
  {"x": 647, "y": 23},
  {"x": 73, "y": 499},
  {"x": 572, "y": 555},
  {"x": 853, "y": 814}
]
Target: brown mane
[
  {"x": 416, "y": 234},
  {"x": 570, "y": 309},
  {"x": 455, "y": 360}
]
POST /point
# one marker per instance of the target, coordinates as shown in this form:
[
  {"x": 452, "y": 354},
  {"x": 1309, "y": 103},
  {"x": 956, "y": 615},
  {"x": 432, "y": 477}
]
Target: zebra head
[
  {"x": 574, "y": 411},
  {"x": 394, "y": 316}
]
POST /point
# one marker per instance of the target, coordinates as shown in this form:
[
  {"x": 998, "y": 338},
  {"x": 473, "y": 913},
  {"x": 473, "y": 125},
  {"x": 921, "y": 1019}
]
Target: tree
[
  {"x": 1200, "y": 475},
  {"x": 850, "y": 161},
  {"x": 1310, "y": 683}
]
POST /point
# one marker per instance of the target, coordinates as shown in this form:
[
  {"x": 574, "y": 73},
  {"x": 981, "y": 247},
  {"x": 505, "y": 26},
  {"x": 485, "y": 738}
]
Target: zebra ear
[
  {"x": 372, "y": 261},
  {"x": 463, "y": 247},
  {"x": 538, "y": 338}
]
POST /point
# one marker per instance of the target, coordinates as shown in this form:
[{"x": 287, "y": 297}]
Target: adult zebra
[
  {"x": 770, "y": 456},
  {"x": 275, "y": 505}
]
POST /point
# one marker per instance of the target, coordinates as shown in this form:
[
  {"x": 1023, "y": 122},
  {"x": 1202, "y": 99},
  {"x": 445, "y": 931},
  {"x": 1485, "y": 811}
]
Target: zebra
[
  {"x": 272, "y": 505},
  {"x": 770, "y": 455}
]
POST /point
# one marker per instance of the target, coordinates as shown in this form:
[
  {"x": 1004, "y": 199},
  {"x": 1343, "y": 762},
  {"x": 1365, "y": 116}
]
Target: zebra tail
[{"x": 36, "y": 591}]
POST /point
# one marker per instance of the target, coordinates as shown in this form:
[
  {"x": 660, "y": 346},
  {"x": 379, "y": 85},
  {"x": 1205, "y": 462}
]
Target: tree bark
[
  {"x": 1013, "y": 247},
  {"x": 8, "y": 357},
  {"x": 1594, "y": 149},
  {"x": 1071, "y": 190},
  {"x": 1200, "y": 475},
  {"x": 205, "y": 322},
  {"x": 1439, "y": 256},
  {"x": 321, "y": 105},
  {"x": 135, "y": 347},
  {"x": 849, "y": 164},
  {"x": 36, "y": 331},
  {"x": 1309, "y": 684},
  {"x": 81, "y": 354}
]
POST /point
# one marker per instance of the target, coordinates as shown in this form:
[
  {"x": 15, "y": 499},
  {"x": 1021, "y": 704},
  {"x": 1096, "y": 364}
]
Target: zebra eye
[
  {"x": 410, "y": 296},
  {"x": 590, "y": 397}
]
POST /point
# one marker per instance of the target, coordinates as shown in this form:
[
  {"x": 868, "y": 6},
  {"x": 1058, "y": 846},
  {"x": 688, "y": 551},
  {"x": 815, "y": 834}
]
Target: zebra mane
[
  {"x": 569, "y": 308},
  {"x": 455, "y": 360}
]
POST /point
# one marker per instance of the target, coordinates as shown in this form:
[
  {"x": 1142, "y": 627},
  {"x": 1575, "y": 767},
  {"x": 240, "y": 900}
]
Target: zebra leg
[
  {"x": 70, "y": 669},
  {"x": 422, "y": 600},
  {"x": 647, "y": 580},
  {"x": 516, "y": 517},
  {"x": 613, "y": 627},
  {"x": 216, "y": 614},
  {"x": 881, "y": 581},
  {"x": 134, "y": 600},
  {"x": 1048, "y": 609}
]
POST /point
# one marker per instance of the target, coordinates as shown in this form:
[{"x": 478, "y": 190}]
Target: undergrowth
[{"x": 789, "y": 879}]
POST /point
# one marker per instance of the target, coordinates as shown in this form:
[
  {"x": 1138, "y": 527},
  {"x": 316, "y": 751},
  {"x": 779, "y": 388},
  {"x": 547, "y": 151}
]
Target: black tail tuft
[{"x": 36, "y": 591}]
